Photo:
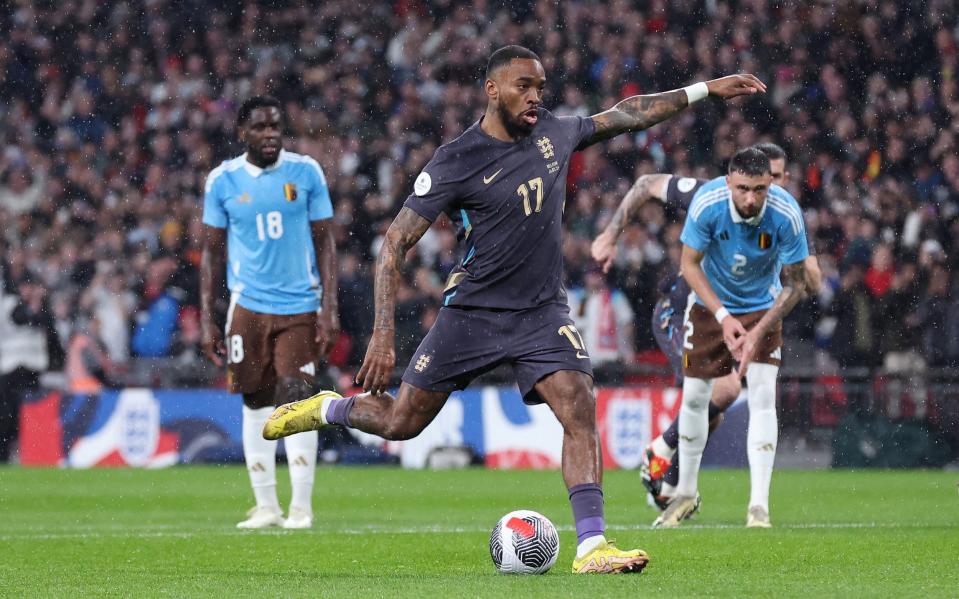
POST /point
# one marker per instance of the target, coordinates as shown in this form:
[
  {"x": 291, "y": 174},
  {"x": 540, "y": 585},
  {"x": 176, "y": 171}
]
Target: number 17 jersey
[
  {"x": 507, "y": 199},
  {"x": 271, "y": 261}
]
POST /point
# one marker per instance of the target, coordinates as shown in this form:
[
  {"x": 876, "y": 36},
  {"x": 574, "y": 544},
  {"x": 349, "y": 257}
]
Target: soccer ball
[{"x": 524, "y": 542}]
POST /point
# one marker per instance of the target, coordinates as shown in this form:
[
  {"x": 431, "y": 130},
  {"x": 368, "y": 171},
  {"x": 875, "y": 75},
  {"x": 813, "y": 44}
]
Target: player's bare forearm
[
  {"x": 637, "y": 113},
  {"x": 322, "y": 234},
  {"x": 407, "y": 228},
  {"x": 794, "y": 289},
  {"x": 644, "y": 188},
  {"x": 692, "y": 269},
  {"x": 212, "y": 268},
  {"x": 813, "y": 275}
]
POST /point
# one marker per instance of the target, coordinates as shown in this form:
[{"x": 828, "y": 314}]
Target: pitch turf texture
[{"x": 385, "y": 532}]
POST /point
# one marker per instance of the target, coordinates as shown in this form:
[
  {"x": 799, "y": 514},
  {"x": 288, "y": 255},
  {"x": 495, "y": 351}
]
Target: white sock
[
  {"x": 763, "y": 431},
  {"x": 693, "y": 430},
  {"x": 260, "y": 455},
  {"x": 660, "y": 448},
  {"x": 668, "y": 490},
  {"x": 301, "y": 456},
  {"x": 589, "y": 544}
]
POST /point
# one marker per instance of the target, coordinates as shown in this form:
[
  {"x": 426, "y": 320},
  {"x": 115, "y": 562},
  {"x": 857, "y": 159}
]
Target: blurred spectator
[
  {"x": 604, "y": 320},
  {"x": 28, "y": 347}
]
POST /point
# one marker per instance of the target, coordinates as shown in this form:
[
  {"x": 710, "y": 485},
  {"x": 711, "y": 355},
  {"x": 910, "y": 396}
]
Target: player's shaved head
[
  {"x": 505, "y": 54},
  {"x": 751, "y": 162}
]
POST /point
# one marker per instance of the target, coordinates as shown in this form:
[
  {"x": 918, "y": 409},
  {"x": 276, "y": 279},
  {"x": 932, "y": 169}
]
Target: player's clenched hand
[
  {"x": 735, "y": 85},
  {"x": 374, "y": 375},
  {"x": 211, "y": 339},
  {"x": 604, "y": 250},
  {"x": 327, "y": 331},
  {"x": 733, "y": 334}
]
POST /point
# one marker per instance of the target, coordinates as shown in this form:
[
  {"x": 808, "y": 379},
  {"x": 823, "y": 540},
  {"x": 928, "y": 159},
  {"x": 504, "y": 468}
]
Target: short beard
[{"x": 513, "y": 128}]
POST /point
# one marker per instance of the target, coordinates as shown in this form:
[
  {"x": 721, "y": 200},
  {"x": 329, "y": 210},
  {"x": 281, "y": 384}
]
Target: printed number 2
[
  {"x": 526, "y": 189},
  {"x": 273, "y": 228},
  {"x": 739, "y": 263},
  {"x": 235, "y": 351}
]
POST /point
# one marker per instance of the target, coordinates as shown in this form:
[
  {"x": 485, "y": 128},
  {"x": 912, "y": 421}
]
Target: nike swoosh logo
[
  {"x": 487, "y": 180},
  {"x": 581, "y": 356}
]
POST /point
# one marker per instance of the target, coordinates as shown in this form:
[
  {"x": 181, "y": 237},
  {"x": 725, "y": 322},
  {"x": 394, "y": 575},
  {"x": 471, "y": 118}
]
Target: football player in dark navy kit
[{"x": 503, "y": 182}]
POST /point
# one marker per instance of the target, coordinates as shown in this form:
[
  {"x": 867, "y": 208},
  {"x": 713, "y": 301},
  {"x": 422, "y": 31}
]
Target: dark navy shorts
[
  {"x": 467, "y": 342},
  {"x": 668, "y": 330}
]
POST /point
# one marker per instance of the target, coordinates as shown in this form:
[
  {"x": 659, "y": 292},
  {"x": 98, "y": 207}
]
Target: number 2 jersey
[
  {"x": 271, "y": 261},
  {"x": 507, "y": 198},
  {"x": 743, "y": 257}
]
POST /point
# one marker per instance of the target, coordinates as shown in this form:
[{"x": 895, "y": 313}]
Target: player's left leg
[
  {"x": 725, "y": 391},
  {"x": 763, "y": 432},
  {"x": 761, "y": 440},
  {"x": 551, "y": 366},
  {"x": 569, "y": 394}
]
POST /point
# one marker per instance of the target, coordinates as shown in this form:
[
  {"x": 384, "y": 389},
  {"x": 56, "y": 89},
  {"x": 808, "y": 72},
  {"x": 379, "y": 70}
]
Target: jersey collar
[
  {"x": 754, "y": 221},
  {"x": 256, "y": 171}
]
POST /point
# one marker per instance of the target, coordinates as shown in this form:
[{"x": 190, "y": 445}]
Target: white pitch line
[{"x": 147, "y": 533}]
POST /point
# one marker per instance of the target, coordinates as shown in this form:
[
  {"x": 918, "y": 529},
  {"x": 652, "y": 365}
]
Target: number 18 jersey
[{"x": 271, "y": 261}]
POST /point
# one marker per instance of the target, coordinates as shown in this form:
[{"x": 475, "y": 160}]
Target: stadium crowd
[{"x": 112, "y": 114}]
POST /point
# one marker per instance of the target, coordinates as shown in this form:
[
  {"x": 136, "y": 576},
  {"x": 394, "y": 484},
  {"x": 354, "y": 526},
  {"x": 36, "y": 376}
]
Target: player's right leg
[
  {"x": 394, "y": 419},
  {"x": 249, "y": 372},
  {"x": 445, "y": 361},
  {"x": 725, "y": 391},
  {"x": 260, "y": 457},
  {"x": 705, "y": 359}
]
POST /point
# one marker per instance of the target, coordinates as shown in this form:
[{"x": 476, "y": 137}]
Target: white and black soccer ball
[{"x": 524, "y": 542}]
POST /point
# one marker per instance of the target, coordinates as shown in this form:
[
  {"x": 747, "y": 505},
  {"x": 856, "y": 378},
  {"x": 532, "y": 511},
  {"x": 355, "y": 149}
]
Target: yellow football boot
[
  {"x": 606, "y": 558},
  {"x": 299, "y": 416}
]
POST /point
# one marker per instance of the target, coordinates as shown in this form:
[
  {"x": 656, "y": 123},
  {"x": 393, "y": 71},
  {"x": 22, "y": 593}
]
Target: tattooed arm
[
  {"x": 641, "y": 112},
  {"x": 794, "y": 289},
  {"x": 644, "y": 189},
  {"x": 406, "y": 229}
]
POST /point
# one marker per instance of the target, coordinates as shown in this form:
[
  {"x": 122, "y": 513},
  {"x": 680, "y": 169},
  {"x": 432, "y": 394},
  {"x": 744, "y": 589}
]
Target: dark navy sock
[
  {"x": 338, "y": 412},
  {"x": 671, "y": 434},
  {"x": 714, "y": 411},
  {"x": 672, "y": 475},
  {"x": 587, "y": 502}
]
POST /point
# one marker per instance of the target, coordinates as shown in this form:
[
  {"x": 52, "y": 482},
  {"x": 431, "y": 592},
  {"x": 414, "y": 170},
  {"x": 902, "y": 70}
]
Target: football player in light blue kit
[
  {"x": 266, "y": 217},
  {"x": 740, "y": 231}
]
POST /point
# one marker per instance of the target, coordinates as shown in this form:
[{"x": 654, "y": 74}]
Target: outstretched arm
[
  {"x": 407, "y": 228},
  {"x": 644, "y": 189},
  {"x": 641, "y": 112},
  {"x": 794, "y": 289}
]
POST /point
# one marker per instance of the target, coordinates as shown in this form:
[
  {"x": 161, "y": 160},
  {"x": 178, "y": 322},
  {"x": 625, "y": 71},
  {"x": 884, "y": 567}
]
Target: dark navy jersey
[
  {"x": 680, "y": 191},
  {"x": 507, "y": 199}
]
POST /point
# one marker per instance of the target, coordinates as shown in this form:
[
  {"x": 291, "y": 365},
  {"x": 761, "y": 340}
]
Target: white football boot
[
  {"x": 299, "y": 518},
  {"x": 262, "y": 517}
]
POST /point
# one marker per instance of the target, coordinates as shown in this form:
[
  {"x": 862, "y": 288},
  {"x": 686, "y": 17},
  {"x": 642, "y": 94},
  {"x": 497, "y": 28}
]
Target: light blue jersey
[
  {"x": 271, "y": 262},
  {"x": 743, "y": 258}
]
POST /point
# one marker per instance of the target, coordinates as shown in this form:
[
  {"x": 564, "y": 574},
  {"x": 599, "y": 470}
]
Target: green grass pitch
[{"x": 385, "y": 532}]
